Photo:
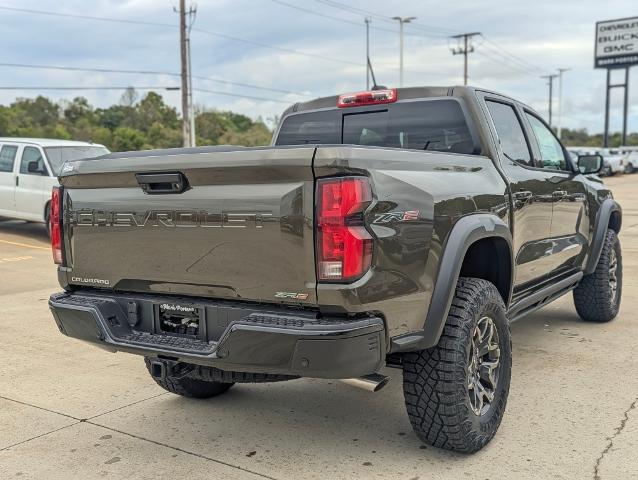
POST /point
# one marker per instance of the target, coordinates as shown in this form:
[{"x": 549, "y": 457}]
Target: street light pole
[
  {"x": 401, "y": 21},
  {"x": 560, "y": 100},
  {"x": 368, "y": 20},
  {"x": 550, "y": 82}
]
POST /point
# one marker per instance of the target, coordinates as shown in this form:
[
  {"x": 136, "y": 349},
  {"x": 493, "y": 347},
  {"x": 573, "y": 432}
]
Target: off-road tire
[
  {"x": 435, "y": 381},
  {"x": 189, "y": 384},
  {"x": 593, "y": 297}
]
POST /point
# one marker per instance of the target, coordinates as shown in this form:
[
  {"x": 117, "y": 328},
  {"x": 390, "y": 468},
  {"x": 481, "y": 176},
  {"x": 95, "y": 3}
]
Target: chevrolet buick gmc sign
[{"x": 616, "y": 43}]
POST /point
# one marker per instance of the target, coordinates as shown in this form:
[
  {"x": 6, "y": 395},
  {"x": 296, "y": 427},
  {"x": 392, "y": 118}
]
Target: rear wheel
[
  {"x": 597, "y": 296},
  {"x": 456, "y": 392}
]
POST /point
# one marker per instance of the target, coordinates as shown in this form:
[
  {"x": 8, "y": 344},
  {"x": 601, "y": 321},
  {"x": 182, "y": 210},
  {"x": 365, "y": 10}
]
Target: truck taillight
[
  {"x": 373, "y": 97},
  {"x": 55, "y": 219},
  {"x": 344, "y": 246}
]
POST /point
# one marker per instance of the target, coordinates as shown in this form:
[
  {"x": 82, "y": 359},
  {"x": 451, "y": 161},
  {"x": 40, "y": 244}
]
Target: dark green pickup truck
[{"x": 403, "y": 228}]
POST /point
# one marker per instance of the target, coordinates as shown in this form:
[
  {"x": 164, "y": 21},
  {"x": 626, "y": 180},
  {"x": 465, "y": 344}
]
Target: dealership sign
[{"x": 616, "y": 43}]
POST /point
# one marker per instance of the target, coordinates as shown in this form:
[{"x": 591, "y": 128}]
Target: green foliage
[
  {"x": 580, "y": 138},
  {"x": 131, "y": 125}
]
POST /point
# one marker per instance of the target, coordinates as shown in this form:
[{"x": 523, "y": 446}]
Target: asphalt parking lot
[{"x": 68, "y": 410}]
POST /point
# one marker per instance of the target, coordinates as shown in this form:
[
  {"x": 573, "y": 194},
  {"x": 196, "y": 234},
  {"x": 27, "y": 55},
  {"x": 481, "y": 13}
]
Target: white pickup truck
[{"x": 28, "y": 171}]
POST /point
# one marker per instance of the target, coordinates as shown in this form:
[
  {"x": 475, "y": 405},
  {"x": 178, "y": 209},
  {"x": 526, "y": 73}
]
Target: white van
[{"x": 28, "y": 170}]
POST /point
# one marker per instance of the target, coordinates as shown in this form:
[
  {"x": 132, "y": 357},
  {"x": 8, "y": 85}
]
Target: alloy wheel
[
  {"x": 613, "y": 275},
  {"x": 483, "y": 366}
]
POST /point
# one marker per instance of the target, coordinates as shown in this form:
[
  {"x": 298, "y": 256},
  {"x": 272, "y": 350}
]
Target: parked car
[
  {"x": 630, "y": 155},
  {"x": 28, "y": 170},
  {"x": 613, "y": 161},
  {"x": 402, "y": 227}
]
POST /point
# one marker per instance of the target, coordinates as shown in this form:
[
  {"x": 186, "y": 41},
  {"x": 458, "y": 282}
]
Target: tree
[
  {"x": 129, "y": 97},
  {"x": 130, "y": 125}
]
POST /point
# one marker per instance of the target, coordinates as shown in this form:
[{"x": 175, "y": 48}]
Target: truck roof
[
  {"x": 49, "y": 142},
  {"x": 402, "y": 94}
]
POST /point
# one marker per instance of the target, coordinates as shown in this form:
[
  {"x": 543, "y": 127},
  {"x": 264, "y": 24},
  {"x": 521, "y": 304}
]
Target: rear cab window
[
  {"x": 430, "y": 125},
  {"x": 510, "y": 132},
  {"x": 7, "y": 157}
]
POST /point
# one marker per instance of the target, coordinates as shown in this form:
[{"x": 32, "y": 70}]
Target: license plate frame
[{"x": 179, "y": 319}]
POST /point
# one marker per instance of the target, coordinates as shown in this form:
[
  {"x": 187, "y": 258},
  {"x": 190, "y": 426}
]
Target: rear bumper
[{"x": 255, "y": 339}]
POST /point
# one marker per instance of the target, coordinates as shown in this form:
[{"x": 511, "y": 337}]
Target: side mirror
[
  {"x": 588, "y": 164},
  {"x": 36, "y": 168}
]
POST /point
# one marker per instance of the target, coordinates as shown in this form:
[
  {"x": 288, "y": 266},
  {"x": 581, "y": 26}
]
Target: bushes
[{"x": 131, "y": 125}]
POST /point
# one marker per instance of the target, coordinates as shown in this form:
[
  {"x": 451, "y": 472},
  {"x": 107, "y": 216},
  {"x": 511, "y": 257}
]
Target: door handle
[
  {"x": 17, "y": 180},
  {"x": 156, "y": 183}
]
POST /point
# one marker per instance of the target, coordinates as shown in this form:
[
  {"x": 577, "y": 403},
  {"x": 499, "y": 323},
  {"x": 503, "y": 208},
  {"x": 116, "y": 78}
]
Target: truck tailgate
[{"x": 241, "y": 229}]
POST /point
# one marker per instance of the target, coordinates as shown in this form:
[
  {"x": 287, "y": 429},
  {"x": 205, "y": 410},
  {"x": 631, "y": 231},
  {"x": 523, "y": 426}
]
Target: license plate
[{"x": 179, "y": 319}]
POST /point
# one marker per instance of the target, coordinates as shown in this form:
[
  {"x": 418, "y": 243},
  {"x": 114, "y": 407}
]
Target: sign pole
[
  {"x": 606, "y": 134},
  {"x": 625, "y": 108},
  {"x": 616, "y": 47}
]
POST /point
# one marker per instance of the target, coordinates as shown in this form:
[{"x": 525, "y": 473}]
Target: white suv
[{"x": 28, "y": 170}]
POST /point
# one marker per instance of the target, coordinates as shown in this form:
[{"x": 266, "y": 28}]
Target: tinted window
[
  {"x": 437, "y": 125},
  {"x": 316, "y": 127},
  {"x": 510, "y": 133},
  {"x": 31, "y": 154},
  {"x": 58, "y": 155},
  {"x": 7, "y": 157},
  {"x": 552, "y": 155}
]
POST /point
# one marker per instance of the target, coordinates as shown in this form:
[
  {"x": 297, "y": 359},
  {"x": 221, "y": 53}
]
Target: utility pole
[
  {"x": 184, "y": 44},
  {"x": 550, "y": 82},
  {"x": 464, "y": 50},
  {"x": 401, "y": 21},
  {"x": 560, "y": 99},
  {"x": 368, "y": 20}
]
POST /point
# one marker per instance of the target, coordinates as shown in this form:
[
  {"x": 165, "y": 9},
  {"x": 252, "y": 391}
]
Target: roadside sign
[{"x": 616, "y": 43}]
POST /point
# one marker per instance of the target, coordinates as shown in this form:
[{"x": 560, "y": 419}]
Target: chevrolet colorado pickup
[{"x": 403, "y": 228}]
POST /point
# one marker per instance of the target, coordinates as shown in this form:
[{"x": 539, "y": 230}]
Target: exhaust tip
[{"x": 372, "y": 383}]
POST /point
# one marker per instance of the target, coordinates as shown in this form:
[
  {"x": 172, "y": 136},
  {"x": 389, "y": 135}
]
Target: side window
[
  {"x": 31, "y": 154},
  {"x": 552, "y": 154},
  {"x": 510, "y": 132},
  {"x": 7, "y": 157}
]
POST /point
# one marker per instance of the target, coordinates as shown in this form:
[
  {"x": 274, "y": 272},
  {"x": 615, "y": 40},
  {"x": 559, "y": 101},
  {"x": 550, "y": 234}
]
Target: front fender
[{"x": 603, "y": 217}]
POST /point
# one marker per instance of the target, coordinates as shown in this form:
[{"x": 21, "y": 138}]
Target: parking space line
[
  {"x": 178, "y": 449},
  {"x": 25, "y": 245}
]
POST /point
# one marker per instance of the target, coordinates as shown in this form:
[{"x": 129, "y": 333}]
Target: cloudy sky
[{"x": 298, "y": 49}]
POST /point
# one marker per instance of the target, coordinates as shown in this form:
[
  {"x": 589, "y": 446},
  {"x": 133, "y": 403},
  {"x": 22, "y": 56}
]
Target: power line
[
  {"x": 514, "y": 58},
  {"x": 330, "y": 17},
  {"x": 274, "y": 47},
  {"x": 243, "y": 96},
  {"x": 168, "y": 88},
  {"x": 200, "y": 30},
  {"x": 496, "y": 49},
  {"x": 339, "y": 19},
  {"x": 500, "y": 61},
  {"x": 439, "y": 31},
  {"x": 145, "y": 72}
]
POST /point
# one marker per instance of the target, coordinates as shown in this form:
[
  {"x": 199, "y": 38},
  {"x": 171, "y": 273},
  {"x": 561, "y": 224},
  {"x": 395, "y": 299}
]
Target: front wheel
[
  {"x": 597, "y": 296},
  {"x": 456, "y": 392}
]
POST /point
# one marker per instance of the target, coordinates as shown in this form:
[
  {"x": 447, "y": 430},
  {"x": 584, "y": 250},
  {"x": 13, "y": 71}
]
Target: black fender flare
[
  {"x": 464, "y": 233},
  {"x": 607, "y": 208}
]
